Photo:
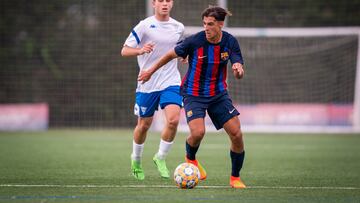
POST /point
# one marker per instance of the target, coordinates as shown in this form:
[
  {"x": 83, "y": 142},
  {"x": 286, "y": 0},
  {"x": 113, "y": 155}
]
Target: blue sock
[
  {"x": 237, "y": 160},
  {"x": 191, "y": 151}
]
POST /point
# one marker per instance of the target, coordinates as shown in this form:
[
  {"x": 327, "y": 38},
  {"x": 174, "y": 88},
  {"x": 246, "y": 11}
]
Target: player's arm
[
  {"x": 130, "y": 51},
  {"x": 145, "y": 75},
  {"x": 238, "y": 70}
]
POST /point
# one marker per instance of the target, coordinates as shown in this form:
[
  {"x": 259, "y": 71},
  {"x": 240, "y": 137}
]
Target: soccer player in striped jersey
[
  {"x": 204, "y": 87},
  {"x": 150, "y": 40}
]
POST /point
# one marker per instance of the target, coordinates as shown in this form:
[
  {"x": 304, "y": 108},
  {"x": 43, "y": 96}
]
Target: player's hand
[
  {"x": 238, "y": 70},
  {"x": 144, "y": 76},
  {"x": 147, "y": 48}
]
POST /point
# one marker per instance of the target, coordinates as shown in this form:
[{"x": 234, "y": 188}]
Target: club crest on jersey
[
  {"x": 189, "y": 113},
  {"x": 152, "y": 26},
  {"x": 224, "y": 56}
]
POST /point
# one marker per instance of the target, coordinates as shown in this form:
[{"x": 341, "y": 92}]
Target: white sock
[
  {"x": 137, "y": 151},
  {"x": 164, "y": 148}
]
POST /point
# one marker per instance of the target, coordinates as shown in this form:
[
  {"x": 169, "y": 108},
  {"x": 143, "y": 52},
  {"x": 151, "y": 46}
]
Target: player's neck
[
  {"x": 162, "y": 17},
  {"x": 216, "y": 39}
]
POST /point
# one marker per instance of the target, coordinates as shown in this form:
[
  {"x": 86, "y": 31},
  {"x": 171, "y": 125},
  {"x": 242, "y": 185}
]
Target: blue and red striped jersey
[{"x": 206, "y": 75}]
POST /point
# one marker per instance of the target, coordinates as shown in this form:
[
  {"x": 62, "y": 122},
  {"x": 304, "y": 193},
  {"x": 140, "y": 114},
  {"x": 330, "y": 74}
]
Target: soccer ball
[{"x": 186, "y": 176}]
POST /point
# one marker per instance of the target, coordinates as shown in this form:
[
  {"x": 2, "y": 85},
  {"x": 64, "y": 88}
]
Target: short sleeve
[
  {"x": 181, "y": 30},
  {"x": 135, "y": 36},
  {"x": 182, "y": 49},
  {"x": 236, "y": 56}
]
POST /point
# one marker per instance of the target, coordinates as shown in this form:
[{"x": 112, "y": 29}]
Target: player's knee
[
  {"x": 239, "y": 135},
  {"x": 198, "y": 133},
  {"x": 144, "y": 126},
  {"x": 173, "y": 122},
  {"x": 236, "y": 133}
]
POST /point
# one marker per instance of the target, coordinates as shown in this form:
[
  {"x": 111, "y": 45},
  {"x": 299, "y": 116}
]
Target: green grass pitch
[{"x": 94, "y": 166}]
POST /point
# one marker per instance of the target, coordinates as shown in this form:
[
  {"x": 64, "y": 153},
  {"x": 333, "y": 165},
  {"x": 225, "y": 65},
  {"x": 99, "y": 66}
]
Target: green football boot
[
  {"x": 136, "y": 170},
  {"x": 161, "y": 166}
]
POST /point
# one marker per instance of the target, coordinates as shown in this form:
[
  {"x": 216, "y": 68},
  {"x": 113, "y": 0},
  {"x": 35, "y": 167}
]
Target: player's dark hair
[{"x": 217, "y": 12}]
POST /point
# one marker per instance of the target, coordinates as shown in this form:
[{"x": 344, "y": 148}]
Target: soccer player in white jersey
[{"x": 149, "y": 40}]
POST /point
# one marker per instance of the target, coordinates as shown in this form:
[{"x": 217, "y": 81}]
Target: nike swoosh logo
[
  {"x": 201, "y": 57},
  {"x": 231, "y": 111}
]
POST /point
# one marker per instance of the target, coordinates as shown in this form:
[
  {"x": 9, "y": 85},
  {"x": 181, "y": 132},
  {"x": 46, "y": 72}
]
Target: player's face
[
  {"x": 162, "y": 7},
  {"x": 212, "y": 28}
]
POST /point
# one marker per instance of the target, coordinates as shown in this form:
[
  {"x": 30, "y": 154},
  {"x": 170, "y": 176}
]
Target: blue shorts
[
  {"x": 147, "y": 103},
  {"x": 219, "y": 108}
]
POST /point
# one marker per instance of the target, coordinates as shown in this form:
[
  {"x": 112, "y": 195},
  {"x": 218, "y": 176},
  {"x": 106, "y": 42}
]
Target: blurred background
[{"x": 65, "y": 57}]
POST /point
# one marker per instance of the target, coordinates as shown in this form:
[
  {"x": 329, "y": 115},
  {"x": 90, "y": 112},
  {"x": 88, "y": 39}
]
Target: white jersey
[{"x": 165, "y": 35}]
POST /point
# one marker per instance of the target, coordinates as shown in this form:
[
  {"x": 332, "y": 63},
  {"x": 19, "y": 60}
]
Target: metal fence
[{"x": 66, "y": 53}]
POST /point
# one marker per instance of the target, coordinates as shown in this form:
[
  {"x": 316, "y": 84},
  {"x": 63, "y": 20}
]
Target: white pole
[
  {"x": 149, "y": 8},
  {"x": 285, "y": 32},
  {"x": 223, "y": 4},
  {"x": 356, "y": 113}
]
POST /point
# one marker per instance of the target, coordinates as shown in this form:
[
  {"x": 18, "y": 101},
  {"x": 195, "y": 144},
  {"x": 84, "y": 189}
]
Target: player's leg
[
  {"x": 140, "y": 132},
  {"x": 232, "y": 128},
  {"x": 141, "y": 129},
  {"x": 195, "y": 111},
  {"x": 145, "y": 106},
  {"x": 224, "y": 115},
  {"x": 172, "y": 115},
  {"x": 197, "y": 133},
  {"x": 170, "y": 102},
  {"x": 237, "y": 152}
]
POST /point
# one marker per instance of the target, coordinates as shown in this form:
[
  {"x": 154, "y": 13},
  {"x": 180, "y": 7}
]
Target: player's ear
[{"x": 221, "y": 24}]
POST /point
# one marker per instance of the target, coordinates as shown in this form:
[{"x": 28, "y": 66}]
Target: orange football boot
[
  {"x": 235, "y": 182},
  {"x": 203, "y": 174}
]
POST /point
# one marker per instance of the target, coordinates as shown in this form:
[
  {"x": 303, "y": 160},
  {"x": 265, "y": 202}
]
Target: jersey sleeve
[
  {"x": 135, "y": 36},
  {"x": 236, "y": 56},
  {"x": 182, "y": 49},
  {"x": 181, "y": 30}
]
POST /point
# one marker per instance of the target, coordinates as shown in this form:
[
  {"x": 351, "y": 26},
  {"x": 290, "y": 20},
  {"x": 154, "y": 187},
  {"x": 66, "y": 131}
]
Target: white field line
[{"x": 171, "y": 186}]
